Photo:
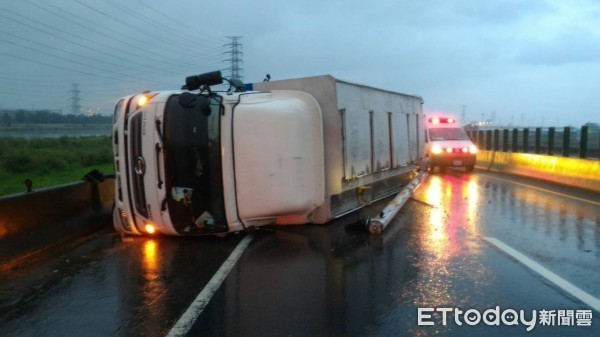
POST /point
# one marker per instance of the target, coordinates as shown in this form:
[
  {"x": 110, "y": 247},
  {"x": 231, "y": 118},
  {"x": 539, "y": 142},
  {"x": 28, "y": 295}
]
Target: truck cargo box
[{"x": 373, "y": 138}]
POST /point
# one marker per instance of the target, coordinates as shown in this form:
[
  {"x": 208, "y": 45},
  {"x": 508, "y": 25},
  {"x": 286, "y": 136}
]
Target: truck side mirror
[
  {"x": 204, "y": 103},
  {"x": 237, "y": 84}
]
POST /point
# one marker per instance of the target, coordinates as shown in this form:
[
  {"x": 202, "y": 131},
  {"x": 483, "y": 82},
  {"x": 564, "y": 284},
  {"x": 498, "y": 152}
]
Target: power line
[
  {"x": 74, "y": 61},
  {"x": 59, "y": 67},
  {"x": 116, "y": 36},
  {"x": 74, "y": 42},
  {"x": 175, "y": 33},
  {"x": 125, "y": 23},
  {"x": 160, "y": 61},
  {"x": 108, "y": 47},
  {"x": 75, "y": 52},
  {"x": 27, "y": 93},
  {"x": 110, "y": 36},
  {"x": 58, "y": 49},
  {"x": 178, "y": 21}
]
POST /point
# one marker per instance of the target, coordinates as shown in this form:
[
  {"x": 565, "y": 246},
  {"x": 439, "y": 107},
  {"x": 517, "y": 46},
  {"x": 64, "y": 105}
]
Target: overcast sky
[{"x": 521, "y": 62}]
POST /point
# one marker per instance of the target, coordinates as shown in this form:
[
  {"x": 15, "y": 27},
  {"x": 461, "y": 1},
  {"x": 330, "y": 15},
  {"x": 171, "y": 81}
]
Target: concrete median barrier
[
  {"x": 574, "y": 172},
  {"x": 37, "y": 220}
]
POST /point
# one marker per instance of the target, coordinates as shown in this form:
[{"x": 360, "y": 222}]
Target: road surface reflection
[{"x": 449, "y": 247}]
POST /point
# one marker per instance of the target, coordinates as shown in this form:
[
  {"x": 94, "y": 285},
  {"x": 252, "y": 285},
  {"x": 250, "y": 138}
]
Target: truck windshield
[
  {"x": 447, "y": 134},
  {"x": 193, "y": 175}
]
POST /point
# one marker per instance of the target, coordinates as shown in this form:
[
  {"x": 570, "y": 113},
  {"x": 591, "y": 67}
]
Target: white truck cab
[{"x": 447, "y": 144}]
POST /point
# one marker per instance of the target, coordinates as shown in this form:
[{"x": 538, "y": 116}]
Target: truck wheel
[{"x": 470, "y": 168}]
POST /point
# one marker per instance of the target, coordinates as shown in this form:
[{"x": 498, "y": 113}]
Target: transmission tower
[
  {"x": 235, "y": 60},
  {"x": 75, "y": 100}
]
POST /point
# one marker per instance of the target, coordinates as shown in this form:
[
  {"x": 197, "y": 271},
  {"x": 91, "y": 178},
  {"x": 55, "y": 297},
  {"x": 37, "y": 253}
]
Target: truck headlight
[
  {"x": 124, "y": 220},
  {"x": 150, "y": 229}
]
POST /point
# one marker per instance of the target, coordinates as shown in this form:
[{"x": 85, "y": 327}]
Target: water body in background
[{"x": 56, "y": 133}]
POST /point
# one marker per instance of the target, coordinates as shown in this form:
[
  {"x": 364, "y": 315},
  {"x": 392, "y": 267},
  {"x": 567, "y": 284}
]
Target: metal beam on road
[{"x": 378, "y": 224}]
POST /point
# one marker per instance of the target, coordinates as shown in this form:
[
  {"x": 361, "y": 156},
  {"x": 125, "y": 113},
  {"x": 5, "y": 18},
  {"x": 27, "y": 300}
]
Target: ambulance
[{"x": 447, "y": 144}]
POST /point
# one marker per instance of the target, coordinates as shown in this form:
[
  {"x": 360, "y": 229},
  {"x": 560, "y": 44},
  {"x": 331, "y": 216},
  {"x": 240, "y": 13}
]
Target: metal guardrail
[{"x": 563, "y": 141}]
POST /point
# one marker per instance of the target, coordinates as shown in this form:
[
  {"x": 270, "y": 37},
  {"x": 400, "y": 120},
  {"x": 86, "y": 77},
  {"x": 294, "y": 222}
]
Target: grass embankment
[
  {"x": 64, "y": 126},
  {"x": 51, "y": 161}
]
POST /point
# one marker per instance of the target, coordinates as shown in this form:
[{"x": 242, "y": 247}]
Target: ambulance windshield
[{"x": 436, "y": 134}]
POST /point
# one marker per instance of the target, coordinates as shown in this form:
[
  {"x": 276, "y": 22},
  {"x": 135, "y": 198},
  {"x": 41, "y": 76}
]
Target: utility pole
[
  {"x": 463, "y": 115},
  {"x": 235, "y": 60},
  {"x": 75, "y": 100}
]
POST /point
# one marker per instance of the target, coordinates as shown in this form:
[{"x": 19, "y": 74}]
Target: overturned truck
[{"x": 197, "y": 161}]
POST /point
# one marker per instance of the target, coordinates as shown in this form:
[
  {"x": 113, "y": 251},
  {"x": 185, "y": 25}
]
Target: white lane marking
[
  {"x": 565, "y": 285},
  {"x": 548, "y": 191},
  {"x": 186, "y": 321}
]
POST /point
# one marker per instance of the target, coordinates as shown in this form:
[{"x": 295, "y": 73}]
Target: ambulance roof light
[{"x": 442, "y": 120}]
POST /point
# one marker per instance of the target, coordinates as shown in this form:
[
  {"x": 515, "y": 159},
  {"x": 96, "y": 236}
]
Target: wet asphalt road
[{"x": 333, "y": 280}]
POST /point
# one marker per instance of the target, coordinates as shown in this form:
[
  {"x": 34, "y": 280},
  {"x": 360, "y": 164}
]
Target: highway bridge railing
[
  {"x": 568, "y": 141},
  {"x": 567, "y": 156}
]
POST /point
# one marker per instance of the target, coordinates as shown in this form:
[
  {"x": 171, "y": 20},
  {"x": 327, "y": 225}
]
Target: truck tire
[{"x": 470, "y": 168}]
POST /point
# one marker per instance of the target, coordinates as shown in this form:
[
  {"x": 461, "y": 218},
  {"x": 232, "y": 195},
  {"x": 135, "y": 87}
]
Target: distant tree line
[{"x": 10, "y": 117}]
